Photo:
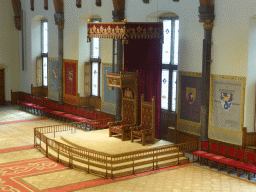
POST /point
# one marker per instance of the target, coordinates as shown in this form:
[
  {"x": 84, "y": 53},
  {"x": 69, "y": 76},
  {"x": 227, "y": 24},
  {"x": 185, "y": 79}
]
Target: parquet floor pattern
[{"x": 190, "y": 178}]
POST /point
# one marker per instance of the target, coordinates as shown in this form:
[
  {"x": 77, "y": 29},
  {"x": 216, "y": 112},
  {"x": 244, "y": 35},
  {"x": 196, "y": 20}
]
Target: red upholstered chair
[
  {"x": 228, "y": 161},
  {"x": 208, "y": 156},
  {"x": 250, "y": 165},
  {"x": 129, "y": 115},
  {"x": 222, "y": 154},
  {"x": 239, "y": 164},
  {"x": 146, "y": 130},
  {"x": 204, "y": 147}
]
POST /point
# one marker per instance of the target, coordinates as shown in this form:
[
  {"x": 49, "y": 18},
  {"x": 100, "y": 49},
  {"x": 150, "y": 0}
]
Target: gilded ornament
[
  {"x": 117, "y": 29},
  {"x": 139, "y": 29}
]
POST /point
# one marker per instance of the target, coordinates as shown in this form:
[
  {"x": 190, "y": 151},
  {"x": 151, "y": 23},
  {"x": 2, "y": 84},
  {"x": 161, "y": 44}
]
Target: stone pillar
[
  {"x": 59, "y": 20},
  {"x": 118, "y": 16},
  {"x": 206, "y": 15},
  {"x": 120, "y": 50}
]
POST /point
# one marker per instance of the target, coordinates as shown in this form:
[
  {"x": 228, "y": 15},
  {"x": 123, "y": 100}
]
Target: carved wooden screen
[{"x": 128, "y": 106}]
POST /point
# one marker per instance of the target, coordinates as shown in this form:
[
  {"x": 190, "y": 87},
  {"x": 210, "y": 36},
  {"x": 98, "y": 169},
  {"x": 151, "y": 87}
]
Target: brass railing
[{"x": 149, "y": 158}]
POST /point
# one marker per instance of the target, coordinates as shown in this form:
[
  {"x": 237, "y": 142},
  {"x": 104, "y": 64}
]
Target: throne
[
  {"x": 146, "y": 130},
  {"x": 128, "y": 84}
]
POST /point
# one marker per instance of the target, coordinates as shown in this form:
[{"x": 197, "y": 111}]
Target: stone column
[
  {"x": 59, "y": 20},
  {"x": 118, "y": 16},
  {"x": 206, "y": 15}
]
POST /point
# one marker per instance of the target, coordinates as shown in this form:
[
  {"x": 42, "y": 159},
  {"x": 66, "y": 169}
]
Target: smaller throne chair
[
  {"x": 127, "y": 82},
  {"x": 146, "y": 130}
]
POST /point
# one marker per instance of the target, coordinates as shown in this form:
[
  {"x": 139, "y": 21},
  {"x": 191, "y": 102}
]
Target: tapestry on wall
[
  {"x": 189, "y": 103},
  {"x": 227, "y": 108},
  {"x": 54, "y": 75},
  {"x": 70, "y": 79},
  {"x": 227, "y": 102},
  {"x": 108, "y": 103}
]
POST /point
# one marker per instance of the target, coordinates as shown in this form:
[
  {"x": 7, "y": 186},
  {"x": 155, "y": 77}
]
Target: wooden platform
[
  {"x": 109, "y": 156},
  {"x": 100, "y": 141}
]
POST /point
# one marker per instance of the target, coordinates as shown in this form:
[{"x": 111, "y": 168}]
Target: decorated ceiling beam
[
  {"x": 119, "y": 7},
  {"x": 58, "y": 5},
  {"x": 145, "y": 1},
  {"x": 125, "y": 31},
  {"x": 16, "y": 5},
  {"x": 78, "y": 3},
  {"x": 98, "y": 3},
  {"x": 59, "y": 15},
  {"x": 46, "y": 4}
]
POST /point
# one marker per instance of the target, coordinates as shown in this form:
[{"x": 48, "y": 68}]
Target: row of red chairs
[
  {"x": 228, "y": 157},
  {"x": 65, "y": 112}
]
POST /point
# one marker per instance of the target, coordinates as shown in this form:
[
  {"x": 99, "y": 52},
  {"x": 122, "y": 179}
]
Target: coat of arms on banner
[
  {"x": 226, "y": 100},
  {"x": 190, "y": 94},
  {"x": 54, "y": 73},
  {"x": 70, "y": 76}
]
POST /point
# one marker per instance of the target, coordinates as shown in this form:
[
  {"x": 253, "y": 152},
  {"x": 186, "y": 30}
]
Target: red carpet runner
[{"x": 21, "y": 121}]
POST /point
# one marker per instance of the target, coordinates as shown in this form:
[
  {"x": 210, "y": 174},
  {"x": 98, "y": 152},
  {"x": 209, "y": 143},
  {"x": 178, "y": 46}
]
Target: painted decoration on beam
[{"x": 70, "y": 74}]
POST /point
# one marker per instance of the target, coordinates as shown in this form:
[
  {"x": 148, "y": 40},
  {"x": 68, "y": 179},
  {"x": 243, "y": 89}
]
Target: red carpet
[
  {"x": 102, "y": 181},
  {"x": 20, "y": 121},
  {"x": 11, "y": 172},
  {"x": 16, "y": 148}
]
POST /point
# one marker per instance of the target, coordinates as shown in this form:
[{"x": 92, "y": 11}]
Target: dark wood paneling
[
  {"x": 17, "y": 97},
  {"x": 39, "y": 91},
  {"x": 2, "y": 87},
  {"x": 183, "y": 137},
  {"x": 168, "y": 119},
  {"x": 91, "y": 100},
  {"x": 249, "y": 138}
]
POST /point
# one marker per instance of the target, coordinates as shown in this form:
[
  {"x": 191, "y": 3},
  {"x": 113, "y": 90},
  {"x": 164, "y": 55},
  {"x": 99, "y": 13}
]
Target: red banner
[
  {"x": 70, "y": 73},
  {"x": 70, "y": 78}
]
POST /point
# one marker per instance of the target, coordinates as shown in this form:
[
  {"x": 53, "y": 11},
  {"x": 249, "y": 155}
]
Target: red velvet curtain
[{"x": 146, "y": 56}]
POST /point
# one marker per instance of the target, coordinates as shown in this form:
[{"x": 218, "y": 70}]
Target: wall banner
[
  {"x": 70, "y": 79},
  {"x": 189, "y": 102},
  {"x": 53, "y": 80},
  {"x": 226, "y": 115},
  {"x": 227, "y": 102}
]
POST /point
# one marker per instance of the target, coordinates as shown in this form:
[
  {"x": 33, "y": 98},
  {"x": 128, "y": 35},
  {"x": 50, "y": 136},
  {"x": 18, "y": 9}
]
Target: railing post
[
  {"x": 46, "y": 147},
  {"x": 111, "y": 168},
  {"x": 179, "y": 156},
  {"x": 70, "y": 159},
  {"x": 153, "y": 159},
  {"x": 88, "y": 163},
  {"x": 106, "y": 168},
  {"x": 54, "y": 131},
  {"x": 40, "y": 141},
  {"x": 133, "y": 164},
  {"x": 58, "y": 153},
  {"x": 34, "y": 137}
]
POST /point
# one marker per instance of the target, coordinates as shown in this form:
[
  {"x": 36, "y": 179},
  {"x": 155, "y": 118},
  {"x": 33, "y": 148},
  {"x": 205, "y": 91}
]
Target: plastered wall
[
  {"x": 9, "y": 49},
  {"x": 232, "y": 38}
]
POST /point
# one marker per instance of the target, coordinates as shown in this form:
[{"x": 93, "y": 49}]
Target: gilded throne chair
[
  {"x": 146, "y": 130},
  {"x": 129, "y": 115}
]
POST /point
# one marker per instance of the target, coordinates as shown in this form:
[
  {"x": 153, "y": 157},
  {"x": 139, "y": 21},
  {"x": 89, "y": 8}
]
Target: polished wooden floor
[{"x": 24, "y": 169}]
